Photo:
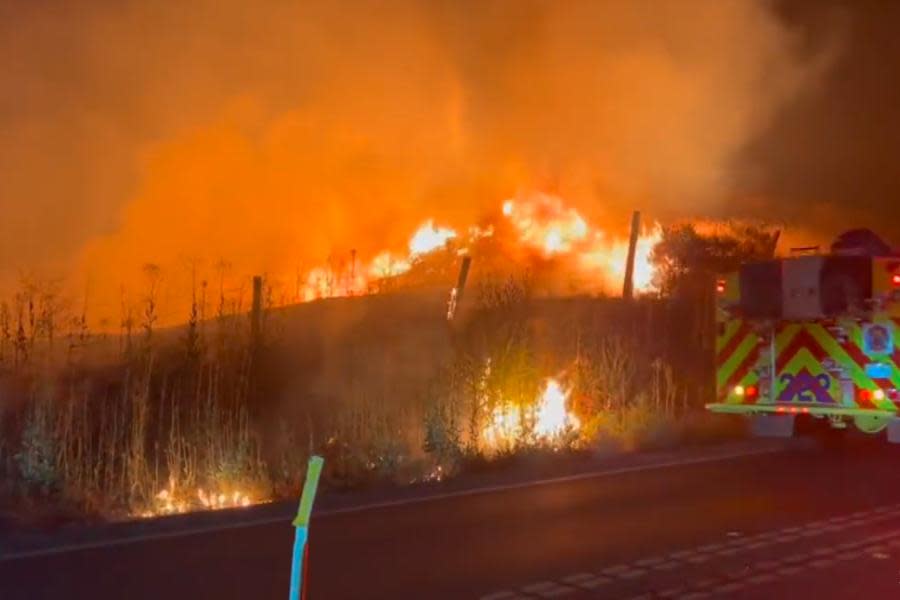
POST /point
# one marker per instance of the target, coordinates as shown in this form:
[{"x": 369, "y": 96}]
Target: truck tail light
[{"x": 720, "y": 285}]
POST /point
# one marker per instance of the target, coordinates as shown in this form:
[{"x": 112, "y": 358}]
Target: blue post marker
[{"x": 301, "y": 525}]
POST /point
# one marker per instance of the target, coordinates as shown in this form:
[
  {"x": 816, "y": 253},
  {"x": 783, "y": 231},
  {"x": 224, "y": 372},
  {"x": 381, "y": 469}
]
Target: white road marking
[
  {"x": 587, "y": 581},
  {"x": 756, "y": 545},
  {"x": 700, "y": 558},
  {"x": 845, "y": 546},
  {"x": 632, "y": 573},
  {"x": 504, "y": 595},
  {"x": 192, "y": 531},
  {"x": 761, "y": 572},
  {"x": 710, "y": 547},
  {"x": 547, "y": 589},
  {"x": 728, "y": 588},
  {"x": 822, "y": 563},
  {"x": 760, "y": 578}
]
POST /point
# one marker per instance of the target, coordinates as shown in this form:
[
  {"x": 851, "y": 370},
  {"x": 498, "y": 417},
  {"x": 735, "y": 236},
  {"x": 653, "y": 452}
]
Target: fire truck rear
[{"x": 812, "y": 336}]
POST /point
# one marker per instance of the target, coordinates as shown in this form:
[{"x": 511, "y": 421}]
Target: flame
[
  {"x": 550, "y": 416},
  {"x": 545, "y": 223},
  {"x": 387, "y": 265},
  {"x": 540, "y": 222},
  {"x": 504, "y": 426},
  {"x": 353, "y": 279},
  {"x": 553, "y": 418},
  {"x": 427, "y": 239},
  {"x": 170, "y": 501},
  {"x": 611, "y": 260}
]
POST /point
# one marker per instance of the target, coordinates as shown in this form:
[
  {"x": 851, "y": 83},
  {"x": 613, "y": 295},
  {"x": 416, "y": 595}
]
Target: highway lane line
[
  {"x": 506, "y": 595},
  {"x": 649, "y": 562},
  {"x": 547, "y": 589},
  {"x": 587, "y": 581},
  {"x": 632, "y": 573},
  {"x": 761, "y": 571},
  {"x": 727, "y": 588},
  {"x": 192, "y": 531}
]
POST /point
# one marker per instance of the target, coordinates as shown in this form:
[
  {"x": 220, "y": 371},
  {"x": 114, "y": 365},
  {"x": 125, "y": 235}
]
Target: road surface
[{"x": 773, "y": 525}]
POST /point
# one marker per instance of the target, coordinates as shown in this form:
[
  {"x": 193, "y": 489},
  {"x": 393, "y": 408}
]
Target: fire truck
[{"x": 811, "y": 338}]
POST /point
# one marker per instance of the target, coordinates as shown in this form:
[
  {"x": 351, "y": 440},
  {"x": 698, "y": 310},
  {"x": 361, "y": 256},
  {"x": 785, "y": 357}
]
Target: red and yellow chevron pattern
[{"x": 820, "y": 363}]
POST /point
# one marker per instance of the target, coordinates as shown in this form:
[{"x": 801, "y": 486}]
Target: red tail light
[
  {"x": 865, "y": 395},
  {"x": 720, "y": 285},
  {"x": 751, "y": 392},
  {"x": 895, "y": 279}
]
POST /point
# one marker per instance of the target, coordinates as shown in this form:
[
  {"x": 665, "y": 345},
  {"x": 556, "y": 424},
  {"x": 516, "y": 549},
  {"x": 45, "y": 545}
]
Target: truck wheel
[{"x": 870, "y": 424}]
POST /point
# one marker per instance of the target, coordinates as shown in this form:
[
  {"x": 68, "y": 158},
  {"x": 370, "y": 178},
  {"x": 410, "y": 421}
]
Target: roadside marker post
[{"x": 301, "y": 527}]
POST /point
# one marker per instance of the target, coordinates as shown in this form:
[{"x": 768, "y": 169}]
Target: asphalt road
[{"x": 776, "y": 525}]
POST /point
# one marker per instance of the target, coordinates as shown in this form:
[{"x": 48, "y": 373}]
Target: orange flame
[
  {"x": 541, "y": 222},
  {"x": 550, "y": 416},
  {"x": 427, "y": 239}
]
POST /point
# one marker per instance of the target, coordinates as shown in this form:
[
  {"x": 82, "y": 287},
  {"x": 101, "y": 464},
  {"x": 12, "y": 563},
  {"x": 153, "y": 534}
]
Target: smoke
[{"x": 279, "y": 136}]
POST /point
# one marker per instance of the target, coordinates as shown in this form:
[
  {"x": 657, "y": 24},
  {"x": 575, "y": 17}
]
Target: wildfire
[
  {"x": 427, "y": 238},
  {"x": 540, "y": 222},
  {"x": 553, "y": 418},
  {"x": 353, "y": 279},
  {"x": 611, "y": 259},
  {"x": 549, "y": 419},
  {"x": 170, "y": 501},
  {"x": 546, "y": 224}
]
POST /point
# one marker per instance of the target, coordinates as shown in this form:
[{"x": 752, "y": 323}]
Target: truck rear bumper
[{"x": 793, "y": 409}]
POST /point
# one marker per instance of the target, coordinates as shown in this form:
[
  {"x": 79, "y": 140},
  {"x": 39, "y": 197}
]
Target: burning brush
[{"x": 537, "y": 226}]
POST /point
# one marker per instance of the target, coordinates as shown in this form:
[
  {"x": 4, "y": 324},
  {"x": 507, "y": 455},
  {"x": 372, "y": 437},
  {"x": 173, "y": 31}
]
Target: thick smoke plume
[{"x": 276, "y": 135}]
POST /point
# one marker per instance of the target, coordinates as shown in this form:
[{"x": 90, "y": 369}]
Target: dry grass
[{"x": 393, "y": 394}]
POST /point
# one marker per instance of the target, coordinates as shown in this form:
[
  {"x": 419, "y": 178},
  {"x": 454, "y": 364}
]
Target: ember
[{"x": 173, "y": 500}]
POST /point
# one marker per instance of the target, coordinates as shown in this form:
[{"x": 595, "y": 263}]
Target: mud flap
[
  {"x": 893, "y": 431},
  {"x": 777, "y": 426}
]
